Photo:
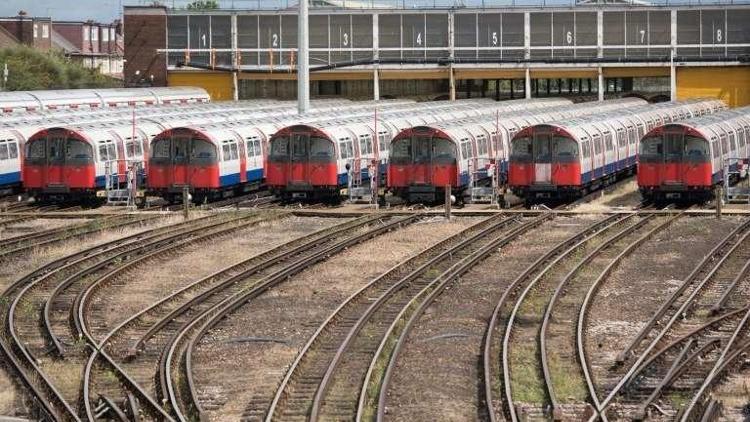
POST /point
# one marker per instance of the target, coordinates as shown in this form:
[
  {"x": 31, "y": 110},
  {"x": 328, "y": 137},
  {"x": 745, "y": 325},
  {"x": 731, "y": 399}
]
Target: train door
[
  {"x": 242, "y": 156},
  {"x": 107, "y": 152},
  {"x": 179, "y": 153},
  {"x": 423, "y": 164},
  {"x": 299, "y": 156},
  {"x": 542, "y": 148},
  {"x": 55, "y": 161},
  {"x": 672, "y": 169}
]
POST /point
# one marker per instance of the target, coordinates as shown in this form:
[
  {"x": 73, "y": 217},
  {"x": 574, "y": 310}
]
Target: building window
[
  {"x": 94, "y": 33},
  {"x": 36, "y": 30},
  {"x": 112, "y": 34},
  {"x": 45, "y": 30},
  {"x": 105, "y": 35},
  {"x": 86, "y": 30}
]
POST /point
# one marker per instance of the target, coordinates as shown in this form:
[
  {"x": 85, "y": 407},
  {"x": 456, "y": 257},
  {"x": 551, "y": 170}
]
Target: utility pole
[{"x": 303, "y": 64}]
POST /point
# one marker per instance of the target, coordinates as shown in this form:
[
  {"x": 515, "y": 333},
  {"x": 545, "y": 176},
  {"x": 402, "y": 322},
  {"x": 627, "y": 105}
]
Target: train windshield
[
  {"x": 673, "y": 147},
  {"x": 59, "y": 150},
  {"x": 183, "y": 150},
  {"x": 564, "y": 149},
  {"x": 423, "y": 149},
  {"x": 303, "y": 147}
]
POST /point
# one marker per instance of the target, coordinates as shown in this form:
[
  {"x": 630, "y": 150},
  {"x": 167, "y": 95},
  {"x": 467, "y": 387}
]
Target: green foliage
[
  {"x": 30, "y": 69},
  {"x": 203, "y": 5}
]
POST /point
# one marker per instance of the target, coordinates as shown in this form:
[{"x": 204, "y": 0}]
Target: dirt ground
[{"x": 240, "y": 363}]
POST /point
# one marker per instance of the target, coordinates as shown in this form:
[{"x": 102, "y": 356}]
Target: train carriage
[
  {"x": 568, "y": 158},
  {"x": 71, "y": 162},
  {"x": 686, "y": 160},
  {"x": 468, "y": 151},
  {"x": 347, "y": 147}
]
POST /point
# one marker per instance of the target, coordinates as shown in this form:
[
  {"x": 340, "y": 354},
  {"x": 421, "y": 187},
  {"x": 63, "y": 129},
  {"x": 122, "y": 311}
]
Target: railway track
[
  {"x": 532, "y": 297},
  {"x": 31, "y": 350},
  {"x": 325, "y": 380},
  {"x": 14, "y": 245},
  {"x": 181, "y": 327},
  {"x": 684, "y": 344}
]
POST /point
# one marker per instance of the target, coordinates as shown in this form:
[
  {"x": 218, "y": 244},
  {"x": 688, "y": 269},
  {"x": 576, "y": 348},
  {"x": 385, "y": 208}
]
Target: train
[
  {"x": 227, "y": 158},
  {"x": 565, "y": 160},
  {"x": 470, "y": 152},
  {"x": 24, "y": 101},
  {"x": 70, "y": 161},
  {"x": 319, "y": 160},
  {"x": 684, "y": 161}
]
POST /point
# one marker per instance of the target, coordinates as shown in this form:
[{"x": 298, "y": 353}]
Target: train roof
[{"x": 708, "y": 125}]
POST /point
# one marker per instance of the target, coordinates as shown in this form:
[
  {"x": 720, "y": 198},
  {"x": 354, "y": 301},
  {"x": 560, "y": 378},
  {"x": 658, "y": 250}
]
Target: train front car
[
  {"x": 59, "y": 163},
  {"x": 422, "y": 163},
  {"x": 545, "y": 164},
  {"x": 303, "y": 163},
  {"x": 211, "y": 162},
  {"x": 674, "y": 163}
]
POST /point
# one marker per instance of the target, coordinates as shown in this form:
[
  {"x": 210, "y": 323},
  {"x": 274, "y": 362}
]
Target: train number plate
[{"x": 299, "y": 195}]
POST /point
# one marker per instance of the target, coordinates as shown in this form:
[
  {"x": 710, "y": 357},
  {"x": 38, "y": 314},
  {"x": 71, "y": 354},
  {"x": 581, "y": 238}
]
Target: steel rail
[
  {"x": 82, "y": 301},
  {"x": 724, "y": 360},
  {"x": 680, "y": 311},
  {"x": 494, "y": 319},
  {"x": 256, "y": 264},
  {"x": 154, "y": 237},
  {"x": 507, "y": 382},
  {"x": 702, "y": 265},
  {"x": 433, "y": 290},
  {"x": 355, "y": 326},
  {"x": 600, "y": 406},
  {"x": 213, "y": 316},
  {"x": 606, "y": 244},
  {"x": 20, "y": 286}
]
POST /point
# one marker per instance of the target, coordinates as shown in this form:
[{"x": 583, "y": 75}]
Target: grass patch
[{"x": 526, "y": 376}]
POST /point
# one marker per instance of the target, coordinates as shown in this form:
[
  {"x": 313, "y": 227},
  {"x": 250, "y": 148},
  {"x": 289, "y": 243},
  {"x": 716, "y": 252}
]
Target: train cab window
[
  {"x": 13, "y": 150},
  {"x": 36, "y": 149},
  {"x": 465, "y": 148},
  {"x": 347, "y": 149},
  {"x": 320, "y": 149},
  {"x": 564, "y": 149},
  {"x": 235, "y": 152},
  {"x": 160, "y": 148},
  {"x": 400, "y": 151},
  {"x": 77, "y": 150},
  {"x": 299, "y": 146},
  {"x": 133, "y": 149},
  {"x": 520, "y": 149},
  {"x": 3, "y": 151},
  {"x": 202, "y": 151},
  {"x": 280, "y": 148},
  {"x": 443, "y": 151},
  {"x": 696, "y": 149}
]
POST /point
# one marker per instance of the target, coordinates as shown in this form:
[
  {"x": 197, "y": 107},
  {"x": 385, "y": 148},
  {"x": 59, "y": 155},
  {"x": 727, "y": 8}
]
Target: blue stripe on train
[
  {"x": 234, "y": 178},
  {"x": 10, "y": 178}
]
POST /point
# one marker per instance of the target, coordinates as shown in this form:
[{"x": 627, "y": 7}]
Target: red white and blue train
[
  {"x": 686, "y": 160},
  {"x": 427, "y": 158},
  {"x": 225, "y": 158},
  {"x": 566, "y": 159},
  {"x": 69, "y": 161},
  {"x": 314, "y": 160}
]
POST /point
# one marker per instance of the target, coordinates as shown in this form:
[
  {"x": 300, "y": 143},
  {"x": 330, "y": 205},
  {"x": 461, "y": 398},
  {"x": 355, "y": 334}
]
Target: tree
[
  {"x": 203, "y": 5},
  {"x": 30, "y": 69}
]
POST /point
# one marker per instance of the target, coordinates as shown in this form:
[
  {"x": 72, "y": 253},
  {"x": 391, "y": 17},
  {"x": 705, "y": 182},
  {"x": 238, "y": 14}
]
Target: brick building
[
  {"x": 26, "y": 30},
  {"x": 145, "y": 32},
  {"x": 94, "y": 45}
]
